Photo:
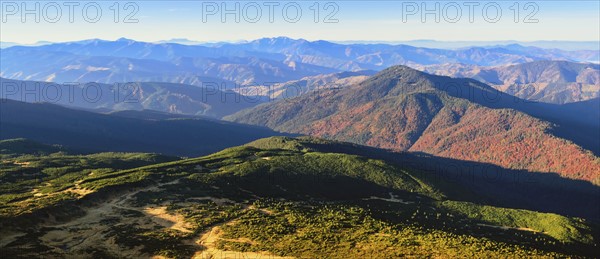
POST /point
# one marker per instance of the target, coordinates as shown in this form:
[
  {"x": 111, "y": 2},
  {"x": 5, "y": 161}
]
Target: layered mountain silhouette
[
  {"x": 306, "y": 85},
  {"x": 267, "y": 60},
  {"x": 29, "y": 63},
  {"x": 404, "y": 109},
  {"x": 545, "y": 81},
  {"x": 378, "y": 56},
  {"x": 131, "y": 131},
  {"x": 208, "y": 100}
]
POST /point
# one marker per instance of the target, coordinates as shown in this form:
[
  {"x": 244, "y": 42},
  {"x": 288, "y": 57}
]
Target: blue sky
[{"x": 356, "y": 20}]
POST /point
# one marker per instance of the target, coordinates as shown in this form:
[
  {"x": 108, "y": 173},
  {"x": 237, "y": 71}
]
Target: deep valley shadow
[{"x": 490, "y": 184}]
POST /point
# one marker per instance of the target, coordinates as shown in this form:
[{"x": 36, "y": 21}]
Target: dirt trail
[
  {"x": 89, "y": 231},
  {"x": 209, "y": 241},
  {"x": 77, "y": 189},
  {"x": 22, "y": 164},
  {"x": 165, "y": 219},
  {"x": 95, "y": 214},
  {"x": 393, "y": 198},
  {"x": 507, "y": 227},
  {"x": 93, "y": 230}
]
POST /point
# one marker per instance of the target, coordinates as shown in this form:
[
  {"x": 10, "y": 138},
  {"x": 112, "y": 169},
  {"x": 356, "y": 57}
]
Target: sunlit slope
[
  {"x": 404, "y": 109},
  {"x": 275, "y": 197}
]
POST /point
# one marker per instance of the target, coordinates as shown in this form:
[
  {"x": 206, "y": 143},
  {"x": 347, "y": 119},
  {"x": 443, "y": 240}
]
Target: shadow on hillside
[
  {"x": 491, "y": 184},
  {"x": 131, "y": 131},
  {"x": 494, "y": 185}
]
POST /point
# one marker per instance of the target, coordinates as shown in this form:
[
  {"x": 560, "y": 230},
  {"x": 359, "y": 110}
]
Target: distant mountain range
[
  {"x": 142, "y": 131},
  {"x": 425, "y": 43},
  {"x": 210, "y": 100},
  {"x": 35, "y": 64},
  {"x": 546, "y": 44},
  {"x": 265, "y": 60},
  {"x": 544, "y": 81},
  {"x": 404, "y": 109},
  {"x": 6, "y": 44},
  {"x": 306, "y": 85}
]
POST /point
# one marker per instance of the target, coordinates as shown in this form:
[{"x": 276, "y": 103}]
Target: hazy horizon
[
  {"x": 335, "y": 21},
  {"x": 428, "y": 43}
]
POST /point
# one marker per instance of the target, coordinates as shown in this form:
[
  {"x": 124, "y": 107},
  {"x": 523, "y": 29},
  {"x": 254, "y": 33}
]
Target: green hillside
[{"x": 280, "y": 197}]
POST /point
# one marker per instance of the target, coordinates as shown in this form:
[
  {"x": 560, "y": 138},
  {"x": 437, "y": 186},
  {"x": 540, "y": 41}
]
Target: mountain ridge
[
  {"x": 92, "y": 132},
  {"x": 405, "y": 109},
  {"x": 323, "y": 54},
  {"x": 210, "y": 99},
  {"x": 544, "y": 81}
]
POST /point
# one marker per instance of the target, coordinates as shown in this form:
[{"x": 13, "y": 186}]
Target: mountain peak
[
  {"x": 284, "y": 38},
  {"x": 397, "y": 75},
  {"x": 124, "y": 39},
  {"x": 402, "y": 69},
  {"x": 281, "y": 40},
  {"x": 402, "y": 81}
]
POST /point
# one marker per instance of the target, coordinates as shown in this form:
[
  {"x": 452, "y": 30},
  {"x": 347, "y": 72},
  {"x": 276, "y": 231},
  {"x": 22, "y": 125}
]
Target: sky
[{"x": 213, "y": 21}]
